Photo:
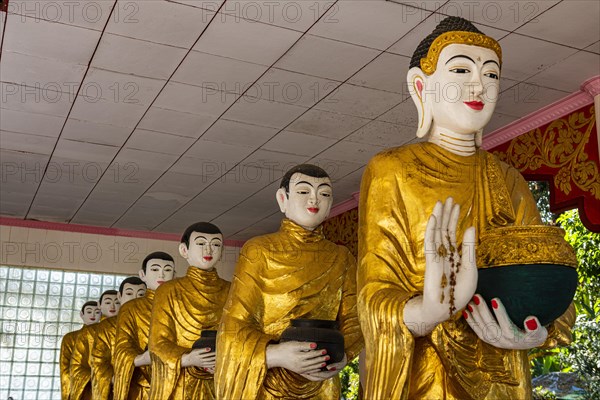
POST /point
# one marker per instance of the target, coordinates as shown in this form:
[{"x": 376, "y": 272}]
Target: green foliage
[
  {"x": 350, "y": 380},
  {"x": 539, "y": 393}
]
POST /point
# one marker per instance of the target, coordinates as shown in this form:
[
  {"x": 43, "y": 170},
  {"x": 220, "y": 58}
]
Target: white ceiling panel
[
  {"x": 158, "y": 142},
  {"x": 505, "y": 15},
  {"x": 298, "y": 143},
  {"x": 220, "y": 73},
  {"x": 404, "y": 113},
  {"x": 327, "y": 124},
  {"x": 214, "y": 158},
  {"x": 233, "y": 37},
  {"x": 373, "y": 24},
  {"x": 335, "y": 168},
  {"x": 34, "y": 124},
  {"x": 120, "y": 88},
  {"x": 353, "y": 152},
  {"x": 326, "y": 58},
  {"x": 160, "y": 22},
  {"x": 175, "y": 122},
  {"x": 408, "y": 43},
  {"x": 265, "y": 166},
  {"x": 41, "y": 72},
  {"x": 421, "y": 5},
  {"x": 47, "y": 40},
  {"x": 263, "y": 112},
  {"x": 572, "y": 23},
  {"x": 138, "y": 57},
  {"x": 594, "y": 47},
  {"x": 84, "y": 152},
  {"x": 291, "y": 88},
  {"x": 360, "y": 101},
  {"x": 517, "y": 62},
  {"x": 498, "y": 121},
  {"x": 560, "y": 76},
  {"x": 89, "y": 14},
  {"x": 384, "y": 134},
  {"x": 35, "y": 100},
  {"x": 238, "y": 133},
  {"x": 386, "y": 72},
  {"x": 102, "y": 111},
  {"x": 526, "y": 98},
  {"x": 27, "y": 143},
  {"x": 194, "y": 99},
  {"x": 86, "y": 131},
  {"x": 290, "y": 14}
]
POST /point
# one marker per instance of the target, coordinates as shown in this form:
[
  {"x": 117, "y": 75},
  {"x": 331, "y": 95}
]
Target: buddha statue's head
[
  {"x": 454, "y": 79},
  {"x": 131, "y": 288},
  {"x": 157, "y": 268},
  {"x": 305, "y": 195},
  {"x": 109, "y": 303},
  {"x": 202, "y": 245},
  {"x": 90, "y": 313}
]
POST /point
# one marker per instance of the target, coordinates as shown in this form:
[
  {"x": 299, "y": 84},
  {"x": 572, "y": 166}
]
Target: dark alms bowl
[
  {"x": 324, "y": 333},
  {"x": 208, "y": 338},
  {"x": 531, "y": 269}
]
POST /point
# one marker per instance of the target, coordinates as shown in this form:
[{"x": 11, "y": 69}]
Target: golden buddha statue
[
  {"x": 90, "y": 314},
  {"x": 81, "y": 358},
  {"x": 102, "y": 366},
  {"x": 131, "y": 358},
  {"x": 182, "y": 309},
  {"x": 417, "y": 269},
  {"x": 294, "y": 273}
]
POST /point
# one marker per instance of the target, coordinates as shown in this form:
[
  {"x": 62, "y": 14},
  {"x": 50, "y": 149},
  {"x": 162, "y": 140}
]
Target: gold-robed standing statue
[
  {"x": 101, "y": 358},
  {"x": 294, "y": 273},
  {"x": 90, "y": 314},
  {"x": 417, "y": 268},
  {"x": 182, "y": 309},
  {"x": 131, "y": 358},
  {"x": 81, "y": 359}
]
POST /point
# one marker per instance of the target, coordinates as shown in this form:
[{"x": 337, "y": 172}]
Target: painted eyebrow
[
  {"x": 301, "y": 182},
  {"x": 325, "y": 184},
  {"x": 199, "y": 237},
  {"x": 460, "y": 56},
  {"x": 491, "y": 61}
]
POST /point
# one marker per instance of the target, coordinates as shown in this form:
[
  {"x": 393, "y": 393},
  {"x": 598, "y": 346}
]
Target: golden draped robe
[
  {"x": 81, "y": 370},
  {"x": 293, "y": 273},
  {"x": 399, "y": 190},
  {"x": 66, "y": 349},
  {"x": 182, "y": 309},
  {"x": 133, "y": 328},
  {"x": 101, "y": 359}
]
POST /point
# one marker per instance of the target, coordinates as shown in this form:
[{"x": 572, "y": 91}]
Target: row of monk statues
[{"x": 410, "y": 300}]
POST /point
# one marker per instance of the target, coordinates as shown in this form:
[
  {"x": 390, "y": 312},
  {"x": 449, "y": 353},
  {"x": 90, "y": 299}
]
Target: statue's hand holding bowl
[{"x": 500, "y": 331}]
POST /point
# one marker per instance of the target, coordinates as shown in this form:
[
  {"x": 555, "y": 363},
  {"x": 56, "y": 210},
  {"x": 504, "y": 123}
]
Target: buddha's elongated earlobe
[
  {"x": 478, "y": 138},
  {"x": 416, "y": 86}
]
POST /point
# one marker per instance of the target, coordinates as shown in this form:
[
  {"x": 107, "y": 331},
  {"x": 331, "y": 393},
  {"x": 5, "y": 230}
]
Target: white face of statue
[
  {"x": 204, "y": 251},
  {"x": 131, "y": 292},
  {"x": 110, "y": 305},
  {"x": 308, "y": 202},
  {"x": 464, "y": 88},
  {"x": 90, "y": 315},
  {"x": 158, "y": 271}
]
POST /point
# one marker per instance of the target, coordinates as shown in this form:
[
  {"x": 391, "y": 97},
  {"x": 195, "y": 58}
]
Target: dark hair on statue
[
  {"x": 132, "y": 280},
  {"x": 306, "y": 169},
  {"x": 161, "y": 255},
  {"x": 90, "y": 303},
  {"x": 202, "y": 227},
  {"x": 446, "y": 25},
  {"x": 111, "y": 292}
]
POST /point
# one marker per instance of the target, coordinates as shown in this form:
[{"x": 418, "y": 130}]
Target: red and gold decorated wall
[
  {"x": 563, "y": 152},
  {"x": 343, "y": 229}
]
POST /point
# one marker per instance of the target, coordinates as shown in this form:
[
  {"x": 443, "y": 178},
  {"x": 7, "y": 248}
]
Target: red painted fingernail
[
  {"x": 470, "y": 308},
  {"x": 313, "y": 345},
  {"x": 531, "y": 324},
  {"x": 207, "y": 349},
  {"x": 476, "y": 300},
  {"x": 323, "y": 365},
  {"x": 332, "y": 369},
  {"x": 324, "y": 352},
  {"x": 495, "y": 304},
  {"x": 465, "y": 315},
  {"x": 327, "y": 358}
]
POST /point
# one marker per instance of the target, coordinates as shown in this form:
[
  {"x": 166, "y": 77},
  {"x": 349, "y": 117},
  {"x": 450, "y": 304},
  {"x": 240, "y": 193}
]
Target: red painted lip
[
  {"x": 208, "y": 258},
  {"x": 475, "y": 105},
  {"x": 92, "y": 319},
  {"x": 313, "y": 210},
  {"x": 160, "y": 282}
]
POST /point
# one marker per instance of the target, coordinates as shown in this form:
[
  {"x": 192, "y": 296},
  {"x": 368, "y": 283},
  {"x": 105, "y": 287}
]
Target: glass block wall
[{"x": 37, "y": 307}]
